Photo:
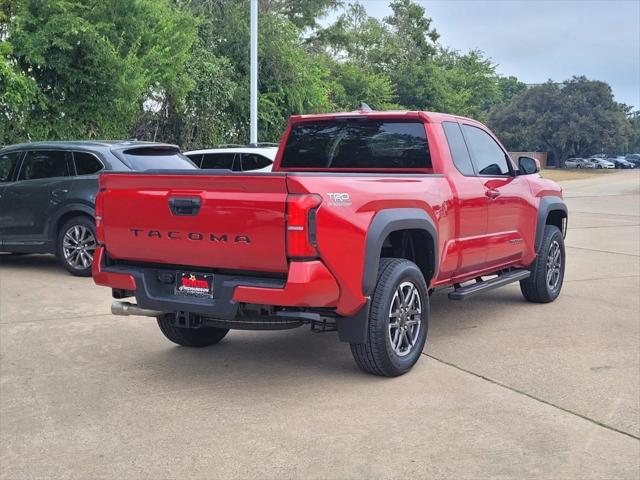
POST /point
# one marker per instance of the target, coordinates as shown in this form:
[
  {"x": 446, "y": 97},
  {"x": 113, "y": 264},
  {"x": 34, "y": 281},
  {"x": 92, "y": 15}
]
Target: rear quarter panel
[{"x": 342, "y": 225}]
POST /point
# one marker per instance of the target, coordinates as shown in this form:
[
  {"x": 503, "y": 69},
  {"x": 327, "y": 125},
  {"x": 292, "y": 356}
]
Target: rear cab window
[
  {"x": 156, "y": 158},
  {"x": 458, "y": 148},
  {"x": 363, "y": 144}
]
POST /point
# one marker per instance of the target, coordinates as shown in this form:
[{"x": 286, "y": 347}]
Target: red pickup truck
[{"x": 364, "y": 215}]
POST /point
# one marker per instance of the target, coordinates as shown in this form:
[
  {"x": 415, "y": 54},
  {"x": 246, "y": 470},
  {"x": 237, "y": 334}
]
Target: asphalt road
[{"x": 505, "y": 388}]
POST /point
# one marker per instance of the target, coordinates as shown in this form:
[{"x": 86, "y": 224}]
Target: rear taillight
[
  {"x": 301, "y": 225},
  {"x": 99, "y": 221}
]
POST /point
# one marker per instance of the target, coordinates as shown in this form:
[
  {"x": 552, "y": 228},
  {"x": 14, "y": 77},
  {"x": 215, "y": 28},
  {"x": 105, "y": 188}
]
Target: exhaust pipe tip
[{"x": 126, "y": 309}]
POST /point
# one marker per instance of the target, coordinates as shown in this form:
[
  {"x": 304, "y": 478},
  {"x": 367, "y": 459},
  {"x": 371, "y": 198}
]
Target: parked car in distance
[
  {"x": 620, "y": 162},
  {"x": 601, "y": 163},
  {"x": 573, "y": 162},
  {"x": 633, "y": 158},
  {"x": 578, "y": 163},
  {"x": 48, "y": 192},
  {"x": 237, "y": 158}
]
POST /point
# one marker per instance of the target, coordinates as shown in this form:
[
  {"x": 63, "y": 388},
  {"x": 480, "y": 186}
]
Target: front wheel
[
  {"x": 190, "y": 337},
  {"x": 547, "y": 271},
  {"x": 398, "y": 320}
]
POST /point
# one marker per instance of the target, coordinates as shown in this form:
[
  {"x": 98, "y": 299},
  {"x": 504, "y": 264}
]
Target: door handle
[
  {"x": 492, "y": 193},
  {"x": 58, "y": 192},
  {"x": 184, "y": 206}
]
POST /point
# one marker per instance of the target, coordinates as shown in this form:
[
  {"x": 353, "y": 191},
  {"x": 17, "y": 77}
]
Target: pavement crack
[
  {"x": 609, "y": 277},
  {"x": 39, "y": 320},
  {"x": 604, "y": 251},
  {"x": 604, "y": 226},
  {"x": 606, "y": 214},
  {"x": 533, "y": 397}
]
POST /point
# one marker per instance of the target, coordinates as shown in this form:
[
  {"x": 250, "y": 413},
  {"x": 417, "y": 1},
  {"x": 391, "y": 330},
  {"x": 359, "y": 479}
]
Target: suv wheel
[
  {"x": 76, "y": 245},
  {"x": 398, "y": 320},
  {"x": 547, "y": 272},
  {"x": 190, "y": 337}
]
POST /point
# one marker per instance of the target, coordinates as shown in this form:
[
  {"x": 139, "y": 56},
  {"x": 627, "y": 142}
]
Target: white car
[
  {"x": 578, "y": 163},
  {"x": 602, "y": 163},
  {"x": 237, "y": 158}
]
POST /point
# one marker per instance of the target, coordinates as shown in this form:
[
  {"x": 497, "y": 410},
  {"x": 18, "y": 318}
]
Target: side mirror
[{"x": 528, "y": 165}]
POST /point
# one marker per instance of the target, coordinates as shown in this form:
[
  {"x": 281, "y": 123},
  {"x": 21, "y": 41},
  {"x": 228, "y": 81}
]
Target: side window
[
  {"x": 86, "y": 163},
  {"x": 458, "y": 148},
  {"x": 196, "y": 158},
  {"x": 45, "y": 164},
  {"x": 253, "y": 161},
  {"x": 487, "y": 154},
  {"x": 8, "y": 166},
  {"x": 218, "y": 160}
]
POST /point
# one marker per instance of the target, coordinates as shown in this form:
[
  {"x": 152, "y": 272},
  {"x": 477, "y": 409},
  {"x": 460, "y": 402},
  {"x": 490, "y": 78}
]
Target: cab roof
[{"x": 429, "y": 117}]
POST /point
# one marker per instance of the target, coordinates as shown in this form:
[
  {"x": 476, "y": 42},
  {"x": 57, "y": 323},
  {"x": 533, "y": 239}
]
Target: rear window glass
[
  {"x": 86, "y": 164},
  {"x": 373, "y": 144},
  {"x": 253, "y": 161},
  {"x": 218, "y": 160},
  {"x": 152, "y": 158}
]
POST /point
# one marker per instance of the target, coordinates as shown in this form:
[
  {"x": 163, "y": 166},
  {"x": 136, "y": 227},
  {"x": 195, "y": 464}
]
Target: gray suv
[{"x": 48, "y": 192}]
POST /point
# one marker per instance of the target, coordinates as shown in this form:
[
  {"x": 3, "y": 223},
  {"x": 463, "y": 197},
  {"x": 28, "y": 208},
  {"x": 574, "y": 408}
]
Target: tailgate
[{"x": 223, "y": 221}]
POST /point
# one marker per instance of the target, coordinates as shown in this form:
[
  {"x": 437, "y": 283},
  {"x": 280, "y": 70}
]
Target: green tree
[
  {"x": 634, "y": 132},
  {"x": 291, "y": 80},
  {"x": 91, "y": 64},
  {"x": 576, "y": 118},
  {"x": 302, "y": 13}
]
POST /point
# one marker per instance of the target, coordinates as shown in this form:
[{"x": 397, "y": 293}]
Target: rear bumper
[{"x": 308, "y": 284}]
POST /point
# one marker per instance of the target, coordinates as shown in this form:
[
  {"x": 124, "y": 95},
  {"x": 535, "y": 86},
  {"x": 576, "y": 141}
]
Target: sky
[{"x": 537, "y": 40}]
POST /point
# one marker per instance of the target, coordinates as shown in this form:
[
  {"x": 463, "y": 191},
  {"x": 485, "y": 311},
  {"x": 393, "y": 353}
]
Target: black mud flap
[{"x": 354, "y": 329}]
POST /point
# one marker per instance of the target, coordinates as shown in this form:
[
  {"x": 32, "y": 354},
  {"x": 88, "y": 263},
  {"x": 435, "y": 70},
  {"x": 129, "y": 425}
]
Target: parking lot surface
[{"x": 505, "y": 388}]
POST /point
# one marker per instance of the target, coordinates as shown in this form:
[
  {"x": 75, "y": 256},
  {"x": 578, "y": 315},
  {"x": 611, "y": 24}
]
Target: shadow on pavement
[{"x": 32, "y": 262}]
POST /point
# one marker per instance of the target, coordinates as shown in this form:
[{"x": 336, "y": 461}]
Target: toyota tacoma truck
[{"x": 364, "y": 215}]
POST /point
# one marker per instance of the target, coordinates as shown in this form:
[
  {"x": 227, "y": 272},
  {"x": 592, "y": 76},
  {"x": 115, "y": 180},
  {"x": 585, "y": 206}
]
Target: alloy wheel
[
  {"x": 405, "y": 318},
  {"x": 78, "y": 246},
  {"x": 554, "y": 265}
]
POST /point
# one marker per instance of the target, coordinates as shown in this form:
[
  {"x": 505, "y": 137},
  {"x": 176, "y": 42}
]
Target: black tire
[
  {"x": 191, "y": 337},
  {"x": 377, "y": 355},
  {"x": 537, "y": 288},
  {"x": 75, "y": 263}
]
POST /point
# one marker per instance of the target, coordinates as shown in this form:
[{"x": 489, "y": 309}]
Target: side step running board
[{"x": 481, "y": 286}]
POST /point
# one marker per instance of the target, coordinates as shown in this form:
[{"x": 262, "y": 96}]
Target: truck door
[
  {"x": 42, "y": 184},
  {"x": 467, "y": 251},
  {"x": 508, "y": 208}
]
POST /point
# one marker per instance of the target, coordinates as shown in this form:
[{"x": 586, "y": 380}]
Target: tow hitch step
[{"x": 481, "y": 286}]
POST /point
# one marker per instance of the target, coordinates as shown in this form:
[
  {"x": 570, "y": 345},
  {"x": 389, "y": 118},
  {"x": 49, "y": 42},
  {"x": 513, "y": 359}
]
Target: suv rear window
[
  {"x": 153, "y": 158},
  {"x": 357, "y": 144}
]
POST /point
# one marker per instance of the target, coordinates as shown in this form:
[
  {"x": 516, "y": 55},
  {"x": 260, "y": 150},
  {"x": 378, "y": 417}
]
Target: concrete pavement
[{"x": 505, "y": 389}]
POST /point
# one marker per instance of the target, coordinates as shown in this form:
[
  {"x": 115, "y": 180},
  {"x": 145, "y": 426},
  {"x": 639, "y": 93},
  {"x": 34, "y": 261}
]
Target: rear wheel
[
  {"x": 398, "y": 320},
  {"x": 547, "y": 272},
  {"x": 190, "y": 337},
  {"x": 76, "y": 244}
]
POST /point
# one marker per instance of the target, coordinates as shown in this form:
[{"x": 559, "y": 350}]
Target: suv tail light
[
  {"x": 99, "y": 222},
  {"x": 301, "y": 225}
]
